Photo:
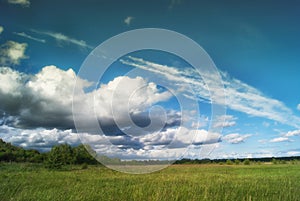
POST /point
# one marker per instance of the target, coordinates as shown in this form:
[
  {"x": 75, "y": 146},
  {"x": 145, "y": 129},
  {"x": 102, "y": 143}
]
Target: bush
[
  {"x": 282, "y": 162},
  {"x": 84, "y": 166},
  {"x": 247, "y": 162},
  {"x": 295, "y": 161},
  {"x": 274, "y": 161},
  {"x": 228, "y": 162}
]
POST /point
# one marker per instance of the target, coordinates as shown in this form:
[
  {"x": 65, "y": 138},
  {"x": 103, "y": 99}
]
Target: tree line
[
  {"x": 59, "y": 156},
  {"x": 63, "y": 154}
]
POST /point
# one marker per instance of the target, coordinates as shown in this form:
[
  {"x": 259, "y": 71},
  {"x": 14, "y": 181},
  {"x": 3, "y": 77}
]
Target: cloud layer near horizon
[{"x": 147, "y": 146}]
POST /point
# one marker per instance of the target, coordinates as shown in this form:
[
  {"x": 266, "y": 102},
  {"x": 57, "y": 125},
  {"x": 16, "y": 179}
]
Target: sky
[{"x": 152, "y": 104}]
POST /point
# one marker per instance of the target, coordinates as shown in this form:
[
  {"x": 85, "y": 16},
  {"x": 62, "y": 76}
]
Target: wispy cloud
[
  {"x": 24, "y": 3},
  {"x": 22, "y": 34},
  {"x": 286, "y": 136},
  {"x": 128, "y": 20},
  {"x": 1, "y": 29},
  {"x": 235, "y": 138},
  {"x": 174, "y": 3},
  {"x": 298, "y": 106},
  {"x": 225, "y": 121},
  {"x": 293, "y": 133},
  {"x": 63, "y": 38},
  {"x": 239, "y": 95},
  {"x": 280, "y": 139}
]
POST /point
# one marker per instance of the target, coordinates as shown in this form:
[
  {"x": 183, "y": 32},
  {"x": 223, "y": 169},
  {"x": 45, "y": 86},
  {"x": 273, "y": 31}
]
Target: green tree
[
  {"x": 83, "y": 156},
  {"x": 59, "y": 156}
]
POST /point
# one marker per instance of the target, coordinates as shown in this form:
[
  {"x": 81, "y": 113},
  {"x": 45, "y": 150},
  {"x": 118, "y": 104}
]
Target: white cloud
[
  {"x": 292, "y": 133},
  {"x": 168, "y": 144},
  {"x": 1, "y": 29},
  {"x": 128, "y": 20},
  {"x": 293, "y": 153},
  {"x": 22, "y": 34},
  {"x": 25, "y": 3},
  {"x": 125, "y": 91},
  {"x": 223, "y": 154},
  {"x": 122, "y": 102},
  {"x": 12, "y": 53},
  {"x": 181, "y": 137},
  {"x": 235, "y": 138},
  {"x": 280, "y": 139},
  {"x": 45, "y": 99},
  {"x": 61, "y": 38},
  {"x": 298, "y": 106},
  {"x": 286, "y": 136},
  {"x": 225, "y": 121},
  {"x": 41, "y": 100},
  {"x": 11, "y": 82},
  {"x": 239, "y": 95},
  {"x": 40, "y": 139}
]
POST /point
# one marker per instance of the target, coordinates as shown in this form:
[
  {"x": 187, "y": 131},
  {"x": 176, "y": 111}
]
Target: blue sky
[{"x": 255, "y": 46}]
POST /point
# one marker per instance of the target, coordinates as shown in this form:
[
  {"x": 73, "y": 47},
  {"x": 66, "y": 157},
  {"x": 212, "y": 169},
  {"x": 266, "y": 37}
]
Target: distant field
[{"x": 178, "y": 182}]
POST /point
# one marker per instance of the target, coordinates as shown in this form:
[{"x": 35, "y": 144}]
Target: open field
[{"x": 178, "y": 182}]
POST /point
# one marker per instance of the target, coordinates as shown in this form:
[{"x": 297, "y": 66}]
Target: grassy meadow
[{"x": 32, "y": 182}]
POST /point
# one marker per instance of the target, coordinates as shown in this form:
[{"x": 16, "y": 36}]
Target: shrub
[
  {"x": 247, "y": 162},
  {"x": 274, "y": 161},
  {"x": 237, "y": 162},
  {"x": 228, "y": 162},
  {"x": 84, "y": 166}
]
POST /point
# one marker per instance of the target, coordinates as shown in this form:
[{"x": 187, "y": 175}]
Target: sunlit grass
[{"x": 178, "y": 182}]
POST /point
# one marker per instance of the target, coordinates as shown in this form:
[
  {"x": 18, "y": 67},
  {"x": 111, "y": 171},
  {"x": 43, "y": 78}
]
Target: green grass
[{"x": 182, "y": 182}]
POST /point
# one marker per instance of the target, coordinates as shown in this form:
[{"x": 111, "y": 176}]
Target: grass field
[{"x": 178, "y": 182}]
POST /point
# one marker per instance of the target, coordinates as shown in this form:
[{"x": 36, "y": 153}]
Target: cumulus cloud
[
  {"x": 240, "y": 96},
  {"x": 38, "y": 114},
  {"x": 1, "y": 29},
  {"x": 181, "y": 137},
  {"x": 41, "y": 100},
  {"x": 45, "y": 100},
  {"x": 22, "y": 34},
  {"x": 39, "y": 139},
  {"x": 235, "y": 138},
  {"x": 12, "y": 53},
  {"x": 128, "y": 20},
  {"x": 63, "y": 39},
  {"x": 169, "y": 144},
  {"x": 25, "y": 3}
]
